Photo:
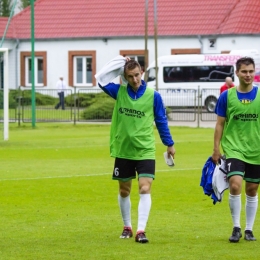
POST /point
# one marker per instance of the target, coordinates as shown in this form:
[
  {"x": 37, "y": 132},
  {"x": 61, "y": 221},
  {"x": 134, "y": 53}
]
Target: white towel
[
  {"x": 111, "y": 70},
  {"x": 219, "y": 180}
]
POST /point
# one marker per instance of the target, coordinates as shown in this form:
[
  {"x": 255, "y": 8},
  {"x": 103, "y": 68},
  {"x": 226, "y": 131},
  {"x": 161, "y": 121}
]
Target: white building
[{"x": 76, "y": 38}]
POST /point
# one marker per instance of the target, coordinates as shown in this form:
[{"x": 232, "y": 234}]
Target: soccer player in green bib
[
  {"x": 238, "y": 131},
  {"x": 132, "y": 142}
]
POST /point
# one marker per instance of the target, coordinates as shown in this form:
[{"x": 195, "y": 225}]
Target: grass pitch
[{"x": 58, "y": 201}]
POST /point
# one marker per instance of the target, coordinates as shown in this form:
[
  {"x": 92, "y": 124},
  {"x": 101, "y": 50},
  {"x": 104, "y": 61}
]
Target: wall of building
[{"x": 106, "y": 49}]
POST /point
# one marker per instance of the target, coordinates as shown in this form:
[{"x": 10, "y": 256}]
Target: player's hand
[
  {"x": 216, "y": 156},
  {"x": 127, "y": 58},
  {"x": 171, "y": 151}
]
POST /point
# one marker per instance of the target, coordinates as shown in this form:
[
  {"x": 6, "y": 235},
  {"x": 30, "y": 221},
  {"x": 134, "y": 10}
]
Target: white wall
[
  {"x": 233, "y": 43},
  {"x": 12, "y": 74},
  {"x": 57, "y": 51}
]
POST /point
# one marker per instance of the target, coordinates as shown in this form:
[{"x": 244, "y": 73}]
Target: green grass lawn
[{"x": 58, "y": 201}]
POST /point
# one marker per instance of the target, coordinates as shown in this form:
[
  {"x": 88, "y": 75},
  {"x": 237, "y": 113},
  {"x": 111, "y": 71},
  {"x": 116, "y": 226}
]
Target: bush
[
  {"x": 168, "y": 111},
  {"x": 101, "y": 108},
  {"x": 82, "y": 99},
  {"x": 13, "y": 94},
  {"x": 40, "y": 99},
  {"x": 12, "y": 99},
  {"x": 1, "y": 99}
]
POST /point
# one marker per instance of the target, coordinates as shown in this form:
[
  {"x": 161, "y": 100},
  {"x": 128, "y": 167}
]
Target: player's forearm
[
  {"x": 218, "y": 135},
  {"x": 164, "y": 131},
  {"x": 217, "y": 138}
]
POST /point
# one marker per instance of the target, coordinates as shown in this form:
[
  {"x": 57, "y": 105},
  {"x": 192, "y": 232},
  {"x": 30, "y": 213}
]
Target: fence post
[
  {"x": 199, "y": 107},
  {"x": 74, "y": 96},
  {"x": 19, "y": 105}
]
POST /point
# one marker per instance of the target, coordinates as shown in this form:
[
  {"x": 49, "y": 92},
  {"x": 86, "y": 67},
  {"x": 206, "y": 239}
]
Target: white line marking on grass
[
  {"x": 85, "y": 175},
  {"x": 52, "y": 147},
  {"x": 87, "y": 145},
  {"x": 187, "y": 141}
]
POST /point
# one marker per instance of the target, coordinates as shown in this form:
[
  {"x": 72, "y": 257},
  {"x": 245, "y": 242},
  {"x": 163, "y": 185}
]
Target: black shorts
[
  {"x": 250, "y": 172},
  {"x": 125, "y": 169}
]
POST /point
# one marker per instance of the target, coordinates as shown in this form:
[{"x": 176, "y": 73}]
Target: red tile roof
[
  {"x": 113, "y": 18},
  {"x": 3, "y": 23},
  {"x": 243, "y": 19}
]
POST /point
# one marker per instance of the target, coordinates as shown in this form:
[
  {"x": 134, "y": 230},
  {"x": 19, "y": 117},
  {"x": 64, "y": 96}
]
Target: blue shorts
[{"x": 125, "y": 169}]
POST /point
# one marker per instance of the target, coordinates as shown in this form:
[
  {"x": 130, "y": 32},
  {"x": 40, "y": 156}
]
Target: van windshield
[
  {"x": 151, "y": 74},
  {"x": 197, "y": 73}
]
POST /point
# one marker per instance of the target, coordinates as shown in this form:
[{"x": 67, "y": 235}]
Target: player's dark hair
[
  {"x": 246, "y": 61},
  {"x": 131, "y": 64}
]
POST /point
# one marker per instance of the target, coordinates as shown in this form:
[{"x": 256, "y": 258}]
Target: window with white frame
[
  {"x": 38, "y": 71},
  {"x": 82, "y": 72}
]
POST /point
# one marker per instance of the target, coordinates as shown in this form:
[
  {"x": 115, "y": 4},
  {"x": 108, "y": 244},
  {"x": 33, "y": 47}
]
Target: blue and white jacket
[{"x": 206, "y": 179}]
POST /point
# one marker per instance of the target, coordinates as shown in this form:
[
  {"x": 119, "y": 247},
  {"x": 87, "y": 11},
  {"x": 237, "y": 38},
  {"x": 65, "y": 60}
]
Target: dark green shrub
[
  {"x": 12, "y": 98},
  {"x": 168, "y": 111},
  {"x": 101, "y": 109},
  {"x": 1, "y": 99},
  {"x": 82, "y": 99},
  {"x": 13, "y": 102},
  {"x": 40, "y": 99}
]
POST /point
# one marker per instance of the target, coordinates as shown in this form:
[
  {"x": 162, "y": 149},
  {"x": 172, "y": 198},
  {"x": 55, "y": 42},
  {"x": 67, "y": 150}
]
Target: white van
[{"x": 184, "y": 78}]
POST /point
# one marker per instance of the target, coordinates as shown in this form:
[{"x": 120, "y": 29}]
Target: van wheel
[{"x": 210, "y": 104}]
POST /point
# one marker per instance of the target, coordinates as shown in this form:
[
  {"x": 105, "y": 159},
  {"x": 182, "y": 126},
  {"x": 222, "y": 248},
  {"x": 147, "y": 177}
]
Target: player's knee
[
  {"x": 124, "y": 192},
  {"x": 144, "y": 189},
  {"x": 235, "y": 188},
  {"x": 251, "y": 190}
]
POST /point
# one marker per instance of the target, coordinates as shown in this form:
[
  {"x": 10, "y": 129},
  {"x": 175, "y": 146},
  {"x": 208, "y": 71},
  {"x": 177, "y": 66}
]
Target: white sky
[{"x": 17, "y": 7}]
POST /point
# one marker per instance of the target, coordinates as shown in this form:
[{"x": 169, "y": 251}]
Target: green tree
[
  {"x": 5, "y": 8},
  {"x": 25, "y": 3}
]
